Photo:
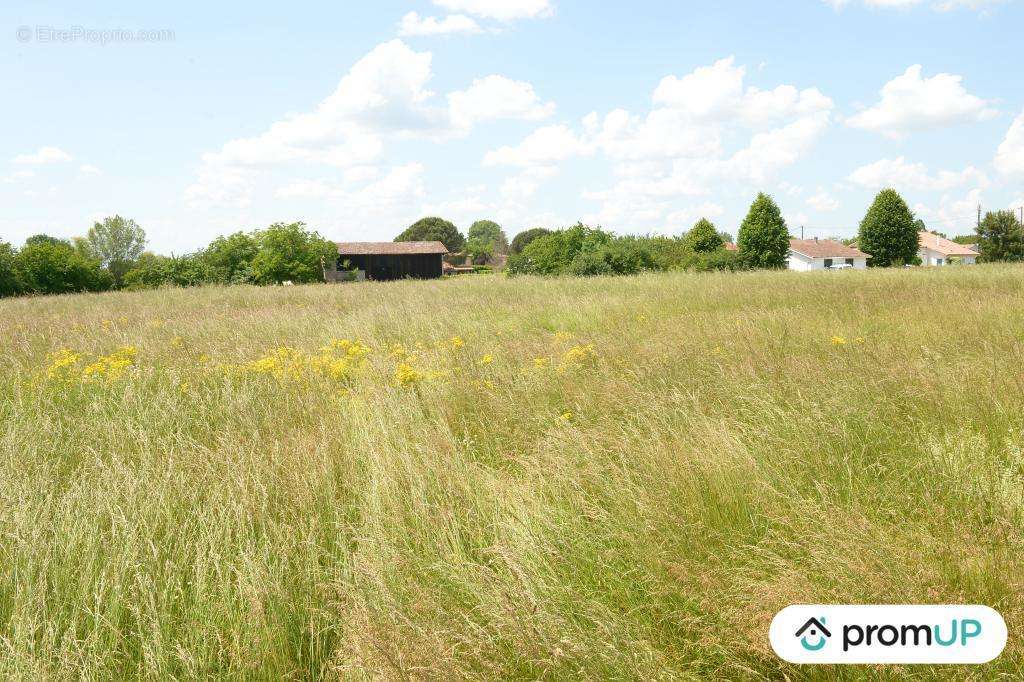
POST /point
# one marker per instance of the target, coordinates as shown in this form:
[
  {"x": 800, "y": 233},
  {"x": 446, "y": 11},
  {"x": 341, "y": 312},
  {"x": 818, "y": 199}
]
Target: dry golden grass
[{"x": 607, "y": 478}]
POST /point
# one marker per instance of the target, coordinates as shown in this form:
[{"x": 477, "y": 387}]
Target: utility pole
[
  {"x": 979, "y": 215},
  {"x": 801, "y": 232}
]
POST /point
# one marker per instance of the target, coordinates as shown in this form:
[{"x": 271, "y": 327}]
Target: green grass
[{"x": 637, "y": 512}]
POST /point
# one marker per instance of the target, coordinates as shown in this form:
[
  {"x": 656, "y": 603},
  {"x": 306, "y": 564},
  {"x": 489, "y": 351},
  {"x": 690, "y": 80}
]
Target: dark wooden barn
[{"x": 391, "y": 260}]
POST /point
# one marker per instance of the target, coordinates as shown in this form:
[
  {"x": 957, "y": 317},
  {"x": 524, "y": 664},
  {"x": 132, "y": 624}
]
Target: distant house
[
  {"x": 822, "y": 254},
  {"x": 729, "y": 246},
  {"x": 936, "y": 250},
  {"x": 387, "y": 260}
]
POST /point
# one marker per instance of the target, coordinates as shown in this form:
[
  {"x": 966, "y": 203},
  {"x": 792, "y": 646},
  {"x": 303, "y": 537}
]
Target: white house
[
  {"x": 822, "y": 254},
  {"x": 936, "y": 250}
]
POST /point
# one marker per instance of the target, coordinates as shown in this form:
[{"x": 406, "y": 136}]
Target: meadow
[{"x": 606, "y": 478}]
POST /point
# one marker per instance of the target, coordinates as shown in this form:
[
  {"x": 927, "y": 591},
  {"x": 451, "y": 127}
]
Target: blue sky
[{"x": 359, "y": 118}]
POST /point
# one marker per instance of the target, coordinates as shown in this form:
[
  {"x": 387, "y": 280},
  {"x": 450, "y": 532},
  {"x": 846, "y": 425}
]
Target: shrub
[
  {"x": 230, "y": 258},
  {"x": 888, "y": 231},
  {"x": 763, "y": 236},
  {"x": 153, "y": 271},
  {"x": 552, "y": 254},
  {"x": 523, "y": 238},
  {"x": 434, "y": 229},
  {"x": 290, "y": 252},
  {"x": 669, "y": 253},
  {"x": 46, "y": 265},
  {"x": 704, "y": 238},
  {"x": 10, "y": 285}
]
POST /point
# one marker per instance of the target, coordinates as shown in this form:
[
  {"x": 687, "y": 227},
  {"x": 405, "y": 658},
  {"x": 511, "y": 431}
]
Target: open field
[{"x": 492, "y": 478}]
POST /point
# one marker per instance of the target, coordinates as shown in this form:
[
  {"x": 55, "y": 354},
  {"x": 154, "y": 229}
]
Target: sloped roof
[
  {"x": 929, "y": 240},
  {"x": 824, "y": 248},
  {"x": 390, "y": 248}
]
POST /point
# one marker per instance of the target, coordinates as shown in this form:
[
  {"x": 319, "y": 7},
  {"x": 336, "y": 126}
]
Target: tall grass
[{"x": 524, "y": 506}]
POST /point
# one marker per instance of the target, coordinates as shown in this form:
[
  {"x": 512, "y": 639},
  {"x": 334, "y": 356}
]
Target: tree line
[{"x": 112, "y": 254}]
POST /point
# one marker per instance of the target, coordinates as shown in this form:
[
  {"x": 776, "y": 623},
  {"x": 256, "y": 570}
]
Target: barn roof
[
  {"x": 824, "y": 248},
  {"x": 390, "y": 248}
]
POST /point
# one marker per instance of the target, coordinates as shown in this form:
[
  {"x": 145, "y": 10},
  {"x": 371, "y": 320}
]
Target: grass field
[{"x": 492, "y": 478}]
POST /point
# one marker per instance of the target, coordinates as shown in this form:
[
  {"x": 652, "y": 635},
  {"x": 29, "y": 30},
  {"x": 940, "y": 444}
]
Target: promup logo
[
  {"x": 888, "y": 634},
  {"x": 814, "y": 628}
]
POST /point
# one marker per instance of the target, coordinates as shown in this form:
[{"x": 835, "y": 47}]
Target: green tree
[
  {"x": 1001, "y": 237},
  {"x": 230, "y": 258},
  {"x": 888, "y": 231},
  {"x": 520, "y": 241},
  {"x": 52, "y": 266},
  {"x": 153, "y": 271},
  {"x": 553, "y": 253},
  {"x": 434, "y": 229},
  {"x": 290, "y": 252},
  {"x": 704, "y": 238},
  {"x": 489, "y": 232},
  {"x": 117, "y": 242},
  {"x": 763, "y": 236},
  {"x": 10, "y": 285},
  {"x": 479, "y": 250}
]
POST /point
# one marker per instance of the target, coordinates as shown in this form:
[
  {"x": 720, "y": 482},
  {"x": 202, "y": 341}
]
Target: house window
[
  {"x": 828, "y": 262},
  {"x": 938, "y": 261},
  {"x": 849, "y": 261}
]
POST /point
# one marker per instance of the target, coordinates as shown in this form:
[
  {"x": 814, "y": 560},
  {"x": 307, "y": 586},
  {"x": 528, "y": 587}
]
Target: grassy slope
[{"x": 642, "y": 513}]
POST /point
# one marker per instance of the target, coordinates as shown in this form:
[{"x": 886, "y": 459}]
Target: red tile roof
[
  {"x": 824, "y": 248},
  {"x": 390, "y": 248},
  {"x": 928, "y": 240}
]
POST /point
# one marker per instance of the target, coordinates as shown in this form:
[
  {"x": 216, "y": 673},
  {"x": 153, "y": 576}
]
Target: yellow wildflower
[
  {"x": 204, "y": 358},
  {"x": 577, "y": 356},
  {"x": 563, "y": 336},
  {"x": 566, "y": 416},
  {"x": 110, "y": 367},
  {"x": 106, "y": 324},
  {"x": 859, "y": 339},
  {"x": 487, "y": 359},
  {"x": 407, "y": 376},
  {"x": 63, "y": 365},
  {"x": 540, "y": 363},
  {"x": 177, "y": 342},
  {"x": 457, "y": 342},
  {"x": 838, "y": 341}
]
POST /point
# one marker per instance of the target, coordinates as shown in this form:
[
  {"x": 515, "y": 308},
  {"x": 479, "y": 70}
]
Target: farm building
[
  {"x": 822, "y": 254},
  {"x": 936, "y": 250},
  {"x": 388, "y": 260}
]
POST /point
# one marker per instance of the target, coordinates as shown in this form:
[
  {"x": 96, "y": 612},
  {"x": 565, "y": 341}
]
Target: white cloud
[
  {"x": 711, "y": 93},
  {"x": 496, "y": 97},
  {"x": 18, "y": 176},
  {"x": 664, "y": 133},
  {"x": 542, "y": 147},
  {"x": 900, "y": 174},
  {"x": 911, "y": 103},
  {"x": 823, "y": 202},
  {"x": 89, "y": 169},
  {"x": 413, "y": 24},
  {"x": 953, "y": 215},
  {"x": 524, "y": 185},
  {"x": 43, "y": 156},
  {"x": 770, "y": 151},
  {"x": 401, "y": 184},
  {"x": 502, "y": 10},
  {"x": 1010, "y": 155}
]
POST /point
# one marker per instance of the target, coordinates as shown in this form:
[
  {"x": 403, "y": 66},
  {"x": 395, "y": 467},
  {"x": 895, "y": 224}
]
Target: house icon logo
[{"x": 813, "y": 634}]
